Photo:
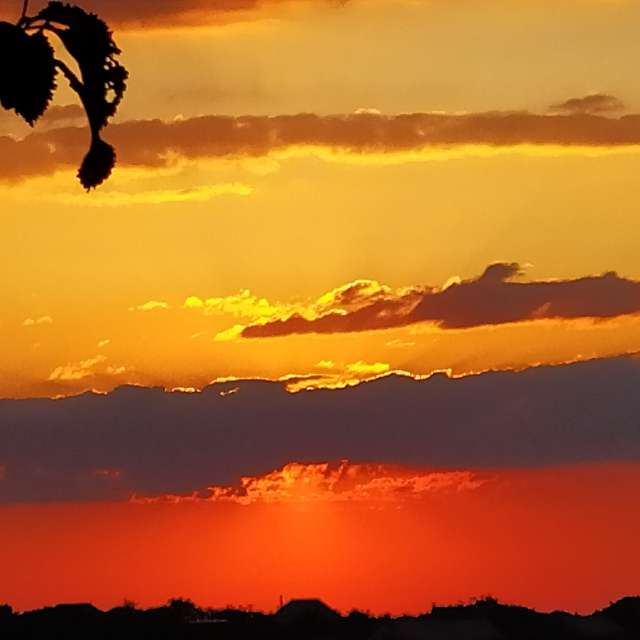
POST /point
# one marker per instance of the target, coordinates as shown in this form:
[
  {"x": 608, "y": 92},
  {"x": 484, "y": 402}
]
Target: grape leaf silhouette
[
  {"x": 28, "y": 70},
  {"x": 27, "y": 76}
]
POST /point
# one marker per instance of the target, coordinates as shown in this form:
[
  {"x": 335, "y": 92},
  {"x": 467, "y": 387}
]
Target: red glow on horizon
[{"x": 536, "y": 537}]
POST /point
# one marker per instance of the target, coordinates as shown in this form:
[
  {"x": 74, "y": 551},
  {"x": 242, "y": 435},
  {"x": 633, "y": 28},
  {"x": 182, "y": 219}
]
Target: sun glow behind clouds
[
  {"x": 388, "y": 556},
  {"x": 343, "y": 482}
]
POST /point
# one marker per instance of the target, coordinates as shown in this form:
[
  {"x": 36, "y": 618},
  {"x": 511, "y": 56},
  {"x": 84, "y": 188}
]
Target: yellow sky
[{"x": 392, "y": 55}]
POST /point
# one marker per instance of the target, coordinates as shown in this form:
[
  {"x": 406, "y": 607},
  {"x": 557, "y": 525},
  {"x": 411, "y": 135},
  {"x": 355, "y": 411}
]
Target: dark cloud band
[
  {"x": 491, "y": 299},
  {"x": 151, "y": 442},
  {"x": 149, "y": 143}
]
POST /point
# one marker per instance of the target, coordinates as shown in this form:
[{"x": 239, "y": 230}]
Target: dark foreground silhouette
[
  {"x": 311, "y": 619},
  {"x": 28, "y": 74}
]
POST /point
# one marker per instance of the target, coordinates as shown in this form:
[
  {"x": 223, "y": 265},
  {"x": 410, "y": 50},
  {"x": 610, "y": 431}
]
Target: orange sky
[
  {"x": 540, "y": 538},
  {"x": 325, "y": 193}
]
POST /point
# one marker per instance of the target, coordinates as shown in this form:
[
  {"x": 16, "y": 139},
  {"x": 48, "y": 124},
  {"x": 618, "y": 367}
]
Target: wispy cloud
[
  {"x": 150, "y": 305},
  {"x": 343, "y": 482},
  {"x": 42, "y": 320},
  {"x": 76, "y": 370},
  {"x": 158, "y": 197},
  {"x": 240, "y": 305},
  {"x": 594, "y": 103}
]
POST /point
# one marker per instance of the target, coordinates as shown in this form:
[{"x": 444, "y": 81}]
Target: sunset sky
[{"x": 356, "y": 316}]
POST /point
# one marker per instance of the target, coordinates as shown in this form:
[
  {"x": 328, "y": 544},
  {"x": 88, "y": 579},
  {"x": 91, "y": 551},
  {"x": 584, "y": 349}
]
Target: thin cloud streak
[
  {"x": 137, "y": 14},
  {"x": 168, "y": 14}
]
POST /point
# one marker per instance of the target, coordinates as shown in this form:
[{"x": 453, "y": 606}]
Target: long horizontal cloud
[
  {"x": 343, "y": 482},
  {"x": 149, "y": 442},
  {"x": 492, "y": 298},
  {"x": 168, "y": 13},
  {"x": 137, "y": 13},
  {"x": 151, "y": 142}
]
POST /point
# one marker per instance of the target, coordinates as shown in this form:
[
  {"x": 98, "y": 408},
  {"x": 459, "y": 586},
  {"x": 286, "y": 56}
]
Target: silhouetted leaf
[
  {"x": 11, "y": 40},
  {"x": 103, "y": 79},
  {"x": 89, "y": 40},
  {"x": 97, "y": 164},
  {"x": 27, "y": 72}
]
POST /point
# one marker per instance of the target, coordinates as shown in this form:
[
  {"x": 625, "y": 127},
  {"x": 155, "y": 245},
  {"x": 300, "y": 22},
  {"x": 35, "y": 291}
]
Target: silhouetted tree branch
[{"x": 29, "y": 67}]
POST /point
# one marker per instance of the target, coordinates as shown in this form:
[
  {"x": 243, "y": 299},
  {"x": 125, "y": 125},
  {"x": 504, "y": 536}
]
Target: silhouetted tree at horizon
[{"x": 181, "y": 619}]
